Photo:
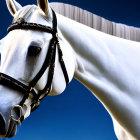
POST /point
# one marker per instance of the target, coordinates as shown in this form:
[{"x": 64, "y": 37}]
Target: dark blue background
[{"x": 76, "y": 114}]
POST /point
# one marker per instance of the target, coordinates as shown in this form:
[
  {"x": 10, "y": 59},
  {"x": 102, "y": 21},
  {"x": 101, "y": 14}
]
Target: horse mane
[{"x": 97, "y": 22}]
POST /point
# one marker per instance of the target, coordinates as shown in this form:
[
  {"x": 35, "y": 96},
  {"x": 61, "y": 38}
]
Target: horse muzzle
[
  {"x": 10, "y": 121},
  {"x": 7, "y": 130}
]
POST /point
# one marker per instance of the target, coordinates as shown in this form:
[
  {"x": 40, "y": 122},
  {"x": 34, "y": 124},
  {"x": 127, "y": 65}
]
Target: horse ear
[
  {"x": 43, "y": 5},
  {"x": 13, "y": 6}
]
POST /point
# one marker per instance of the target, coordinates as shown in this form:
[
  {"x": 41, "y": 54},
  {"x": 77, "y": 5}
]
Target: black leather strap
[
  {"x": 13, "y": 83},
  {"x": 63, "y": 64},
  {"x": 47, "y": 88},
  {"x": 45, "y": 65},
  {"x": 21, "y": 24}
]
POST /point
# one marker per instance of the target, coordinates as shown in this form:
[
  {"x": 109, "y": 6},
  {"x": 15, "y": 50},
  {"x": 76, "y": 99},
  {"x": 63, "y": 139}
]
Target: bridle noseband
[{"x": 29, "y": 90}]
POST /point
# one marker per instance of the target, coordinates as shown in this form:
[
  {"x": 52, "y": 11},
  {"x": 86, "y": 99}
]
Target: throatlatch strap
[{"x": 62, "y": 64}]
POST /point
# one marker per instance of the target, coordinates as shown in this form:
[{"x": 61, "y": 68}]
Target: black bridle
[{"x": 29, "y": 90}]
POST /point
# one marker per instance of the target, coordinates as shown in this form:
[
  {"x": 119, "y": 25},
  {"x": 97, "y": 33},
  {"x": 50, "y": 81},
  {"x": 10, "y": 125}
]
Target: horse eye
[{"x": 34, "y": 50}]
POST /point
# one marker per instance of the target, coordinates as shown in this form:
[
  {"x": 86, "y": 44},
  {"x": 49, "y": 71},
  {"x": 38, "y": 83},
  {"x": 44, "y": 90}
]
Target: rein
[{"x": 29, "y": 90}]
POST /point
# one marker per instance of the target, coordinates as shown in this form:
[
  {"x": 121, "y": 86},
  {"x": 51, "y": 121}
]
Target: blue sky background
[{"x": 76, "y": 114}]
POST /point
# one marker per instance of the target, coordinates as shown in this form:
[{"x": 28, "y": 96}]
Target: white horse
[{"x": 107, "y": 65}]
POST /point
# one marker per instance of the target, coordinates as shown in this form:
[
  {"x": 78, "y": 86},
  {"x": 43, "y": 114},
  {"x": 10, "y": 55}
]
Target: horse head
[{"x": 32, "y": 65}]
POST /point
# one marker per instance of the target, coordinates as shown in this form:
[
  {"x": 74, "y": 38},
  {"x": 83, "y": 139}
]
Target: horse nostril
[{"x": 2, "y": 125}]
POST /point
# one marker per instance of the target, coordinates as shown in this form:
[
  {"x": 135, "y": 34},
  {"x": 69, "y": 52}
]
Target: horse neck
[
  {"x": 89, "y": 52},
  {"x": 105, "y": 67},
  {"x": 101, "y": 68}
]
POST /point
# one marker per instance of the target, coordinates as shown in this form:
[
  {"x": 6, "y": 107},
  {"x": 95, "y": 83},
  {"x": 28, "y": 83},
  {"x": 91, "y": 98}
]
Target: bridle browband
[{"x": 29, "y": 90}]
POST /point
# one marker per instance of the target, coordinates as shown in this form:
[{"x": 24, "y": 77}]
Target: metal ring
[
  {"x": 56, "y": 35},
  {"x": 12, "y": 116}
]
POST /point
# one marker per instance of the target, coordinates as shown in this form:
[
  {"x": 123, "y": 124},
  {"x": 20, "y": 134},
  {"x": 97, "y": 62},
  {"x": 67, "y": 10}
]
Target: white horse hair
[
  {"x": 107, "y": 65},
  {"x": 97, "y": 22}
]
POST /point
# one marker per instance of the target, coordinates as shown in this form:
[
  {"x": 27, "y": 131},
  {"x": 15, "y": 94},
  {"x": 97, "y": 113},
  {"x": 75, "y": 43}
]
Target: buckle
[
  {"x": 20, "y": 21},
  {"x": 35, "y": 105}
]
